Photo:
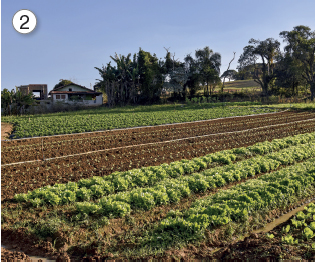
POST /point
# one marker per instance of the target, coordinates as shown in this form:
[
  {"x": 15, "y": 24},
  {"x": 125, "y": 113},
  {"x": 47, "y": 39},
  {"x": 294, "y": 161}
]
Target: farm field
[
  {"x": 187, "y": 192},
  {"x": 108, "y": 119}
]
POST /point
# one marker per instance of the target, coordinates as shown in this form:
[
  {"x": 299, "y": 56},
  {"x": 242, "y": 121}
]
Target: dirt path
[{"x": 6, "y": 129}]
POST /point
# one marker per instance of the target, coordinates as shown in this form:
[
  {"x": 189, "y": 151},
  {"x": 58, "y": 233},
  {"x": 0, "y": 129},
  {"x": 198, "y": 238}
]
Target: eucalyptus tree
[
  {"x": 288, "y": 76},
  {"x": 266, "y": 51},
  {"x": 230, "y": 74},
  {"x": 301, "y": 48}
]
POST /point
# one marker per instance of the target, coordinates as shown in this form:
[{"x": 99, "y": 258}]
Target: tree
[
  {"x": 150, "y": 76},
  {"x": 62, "y": 82},
  {"x": 230, "y": 74},
  {"x": 174, "y": 75},
  {"x": 131, "y": 81},
  {"x": 267, "y": 51},
  {"x": 209, "y": 66},
  {"x": 288, "y": 76},
  {"x": 192, "y": 68},
  {"x": 14, "y": 102},
  {"x": 301, "y": 47},
  {"x": 245, "y": 72}
]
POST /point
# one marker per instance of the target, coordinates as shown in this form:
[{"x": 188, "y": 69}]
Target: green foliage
[
  {"x": 21, "y": 197},
  {"x": 87, "y": 207},
  {"x": 308, "y": 233},
  {"x": 286, "y": 229},
  {"x": 289, "y": 240},
  {"x": 84, "y": 194},
  {"x": 61, "y": 83},
  {"x": 14, "y": 102},
  {"x": 270, "y": 236},
  {"x": 68, "y": 196},
  {"x": 238, "y": 202}
]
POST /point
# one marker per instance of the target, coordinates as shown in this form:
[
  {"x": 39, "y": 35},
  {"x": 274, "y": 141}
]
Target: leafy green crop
[{"x": 240, "y": 201}]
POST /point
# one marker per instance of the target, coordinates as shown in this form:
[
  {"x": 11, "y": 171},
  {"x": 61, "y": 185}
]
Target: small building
[
  {"x": 74, "y": 93},
  {"x": 38, "y": 90}
]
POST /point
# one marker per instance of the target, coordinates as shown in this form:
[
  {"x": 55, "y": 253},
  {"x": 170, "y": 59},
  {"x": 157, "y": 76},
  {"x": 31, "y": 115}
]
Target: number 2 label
[
  {"x": 27, "y": 20},
  {"x": 24, "y": 21}
]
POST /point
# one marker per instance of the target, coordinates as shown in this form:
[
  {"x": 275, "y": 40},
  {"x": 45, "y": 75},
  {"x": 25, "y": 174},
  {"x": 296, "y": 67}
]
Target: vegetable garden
[{"x": 160, "y": 193}]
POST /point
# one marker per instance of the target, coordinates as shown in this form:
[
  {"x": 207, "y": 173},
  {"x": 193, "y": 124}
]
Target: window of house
[
  {"x": 63, "y": 97},
  {"x": 70, "y": 89},
  {"x": 57, "y": 97}
]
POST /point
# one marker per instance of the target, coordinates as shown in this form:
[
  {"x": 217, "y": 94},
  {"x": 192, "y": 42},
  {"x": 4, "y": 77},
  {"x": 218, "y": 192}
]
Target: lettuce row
[{"x": 268, "y": 192}]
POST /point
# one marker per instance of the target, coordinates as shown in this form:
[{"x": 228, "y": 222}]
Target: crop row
[
  {"x": 111, "y": 139},
  {"x": 148, "y": 176},
  {"x": 50, "y": 125},
  {"x": 165, "y": 191},
  {"x": 269, "y": 191},
  {"x": 29, "y": 176}
]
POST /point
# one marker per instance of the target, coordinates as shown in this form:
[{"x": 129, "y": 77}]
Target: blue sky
[{"x": 74, "y": 36}]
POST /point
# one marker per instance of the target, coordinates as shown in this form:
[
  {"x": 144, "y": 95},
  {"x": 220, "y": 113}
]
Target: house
[
  {"x": 38, "y": 90},
  {"x": 74, "y": 93}
]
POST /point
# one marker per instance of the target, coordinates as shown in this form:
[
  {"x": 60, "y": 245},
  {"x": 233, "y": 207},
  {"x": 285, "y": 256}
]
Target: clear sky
[{"x": 74, "y": 36}]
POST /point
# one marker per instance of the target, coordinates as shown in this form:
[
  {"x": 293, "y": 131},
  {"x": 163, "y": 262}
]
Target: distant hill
[{"x": 238, "y": 84}]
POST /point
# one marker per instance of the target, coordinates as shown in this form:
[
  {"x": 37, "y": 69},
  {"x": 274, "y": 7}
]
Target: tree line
[{"x": 144, "y": 78}]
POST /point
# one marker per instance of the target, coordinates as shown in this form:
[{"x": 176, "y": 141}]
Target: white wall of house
[
  {"x": 98, "y": 101},
  {"x": 60, "y": 99}
]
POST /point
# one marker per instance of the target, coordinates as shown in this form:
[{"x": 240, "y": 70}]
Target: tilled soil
[
  {"x": 48, "y": 147},
  {"x": 29, "y": 176}
]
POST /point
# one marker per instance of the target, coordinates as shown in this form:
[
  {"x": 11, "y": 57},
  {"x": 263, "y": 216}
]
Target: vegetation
[
  {"x": 281, "y": 73},
  {"x": 14, "y": 102}
]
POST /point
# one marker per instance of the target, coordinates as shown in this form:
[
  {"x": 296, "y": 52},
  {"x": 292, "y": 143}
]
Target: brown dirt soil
[
  {"x": 31, "y": 245},
  {"x": 30, "y": 176},
  {"x": 13, "y": 256},
  {"x": 54, "y": 146},
  {"x": 6, "y": 130}
]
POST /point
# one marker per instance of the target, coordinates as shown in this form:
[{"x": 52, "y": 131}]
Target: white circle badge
[{"x": 24, "y": 21}]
